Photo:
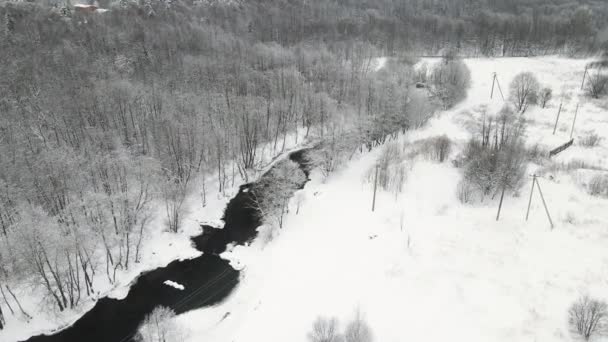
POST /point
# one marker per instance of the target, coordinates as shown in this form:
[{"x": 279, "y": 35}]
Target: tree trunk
[{"x": 18, "y": 304}]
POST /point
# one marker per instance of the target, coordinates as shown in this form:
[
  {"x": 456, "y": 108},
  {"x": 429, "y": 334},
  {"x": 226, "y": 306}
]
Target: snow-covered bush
[
  {"x": 437, "y": 148},
  {"x": 590, "y": 140},
  {"x": 159, "y": 326},
  {"x": 496, "y": 162},
  {"x": 545, "y": 96},
  {"x": 588, "y": 316},
  {"x": 270, "y": 195},
  {"x": 523, "y": 91},
  {"x": 464, "y": 191},
  {"x": 536, "y": 153},
  {"x": 598, "y": 185},
  {"x": 334, "y": 151},
  {"x": 596, "y": 85},
  {"x": 421, "y": 73},
  {"x": 569, "y": 218},
  {"x": 449, "y": 81},
  {"x": 574, "y": 164},
  {"x": 325, "y": 330},
  {"x": 358, "y": 330},
  {"x": 489, "y": 171},
  {"x": 392, "y": 170}
]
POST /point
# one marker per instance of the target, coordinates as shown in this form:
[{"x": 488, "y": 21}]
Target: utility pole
[
  {"x": 584, "y": 75},
  {"x": 502, "y": 196},
  {"x": 557, "y": 119},
  {"x": 574, "y": 121},
  {"x": 499, "y": 89},
  {"x": 375, "y": 188},
  {"x": 544, "y": 203},
  {"x": 531, "y": 192},
  {"x": 493, "y": 81}
]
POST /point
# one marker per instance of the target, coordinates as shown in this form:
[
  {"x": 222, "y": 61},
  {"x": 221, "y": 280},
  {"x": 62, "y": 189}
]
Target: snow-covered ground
[
  {"x": 450, "y": 272},
  {"x": 160, "y": 247}
]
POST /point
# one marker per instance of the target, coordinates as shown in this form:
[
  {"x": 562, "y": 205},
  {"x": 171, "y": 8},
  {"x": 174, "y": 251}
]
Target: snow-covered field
[{"x": 450, "y": 272}]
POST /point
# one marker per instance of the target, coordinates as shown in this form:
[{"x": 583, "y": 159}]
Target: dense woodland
[{"x": 110, "y": 120}]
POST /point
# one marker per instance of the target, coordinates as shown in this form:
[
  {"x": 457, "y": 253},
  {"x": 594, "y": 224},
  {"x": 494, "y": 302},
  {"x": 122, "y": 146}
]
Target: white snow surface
[
  {"x": 453, "y": 273},
  {"x": 379, "y": 63},
  {"x": 174, "y": 284}
]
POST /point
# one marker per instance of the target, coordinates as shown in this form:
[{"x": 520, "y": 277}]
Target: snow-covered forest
[{"x": 126, "y": 127}]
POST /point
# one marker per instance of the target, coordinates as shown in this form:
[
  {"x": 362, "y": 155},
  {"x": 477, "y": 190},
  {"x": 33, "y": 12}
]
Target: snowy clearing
[{"x": 450, "y": 272}]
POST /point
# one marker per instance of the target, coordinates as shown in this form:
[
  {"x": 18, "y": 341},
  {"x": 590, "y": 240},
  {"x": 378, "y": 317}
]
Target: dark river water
[{"x": 207, "y": 279}]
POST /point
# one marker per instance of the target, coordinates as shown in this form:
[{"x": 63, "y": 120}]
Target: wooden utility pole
[
  {"x": 584, "y": 75},
  {"x": 493, "y": 81},
  {"x": 557, "y": 119},
  {"x": 531, "y": 192},
  {"x": 375, "y": 188},
  {"x": 574, "y": 121},
  {"x": 502, "y": 196},
  {"x": 544, "y": 203}
]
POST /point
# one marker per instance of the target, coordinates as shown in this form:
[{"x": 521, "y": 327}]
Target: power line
[{"x": 188, "y": 298}]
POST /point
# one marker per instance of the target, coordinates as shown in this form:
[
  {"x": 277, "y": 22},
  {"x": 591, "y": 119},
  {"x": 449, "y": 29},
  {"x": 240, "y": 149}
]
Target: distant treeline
[{"x": 476, "y": 27}]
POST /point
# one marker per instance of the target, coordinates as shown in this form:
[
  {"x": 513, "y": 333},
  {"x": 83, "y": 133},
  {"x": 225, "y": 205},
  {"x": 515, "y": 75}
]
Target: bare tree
[
  {"x": 325, "y": 330},
  {"x": 524, "y": 91},
  {"x": 587, "y": 316}
]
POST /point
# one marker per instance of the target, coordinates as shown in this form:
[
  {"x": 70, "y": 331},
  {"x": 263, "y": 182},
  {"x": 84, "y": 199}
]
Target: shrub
[
  {"x": 391, "y": 169},
  {"x": 598, "y": 186},
  {"x": 160, "y": 327},
  {"x": 438, "y": 148},
  {"x": 590, "y": 140},
  {"x": 545, "y": 96},
  {"x": 587, "y": 316},
  {"x": 358, "y": 330},
  {"x": 325, "y": 330},
  {"x": 596, "y": 85},
  {"x": 498, "y": 160},
  {"x": 464, "y": 191},
  {"x": 536, "y": 153},
  {"x": 575, "y": 164}
]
